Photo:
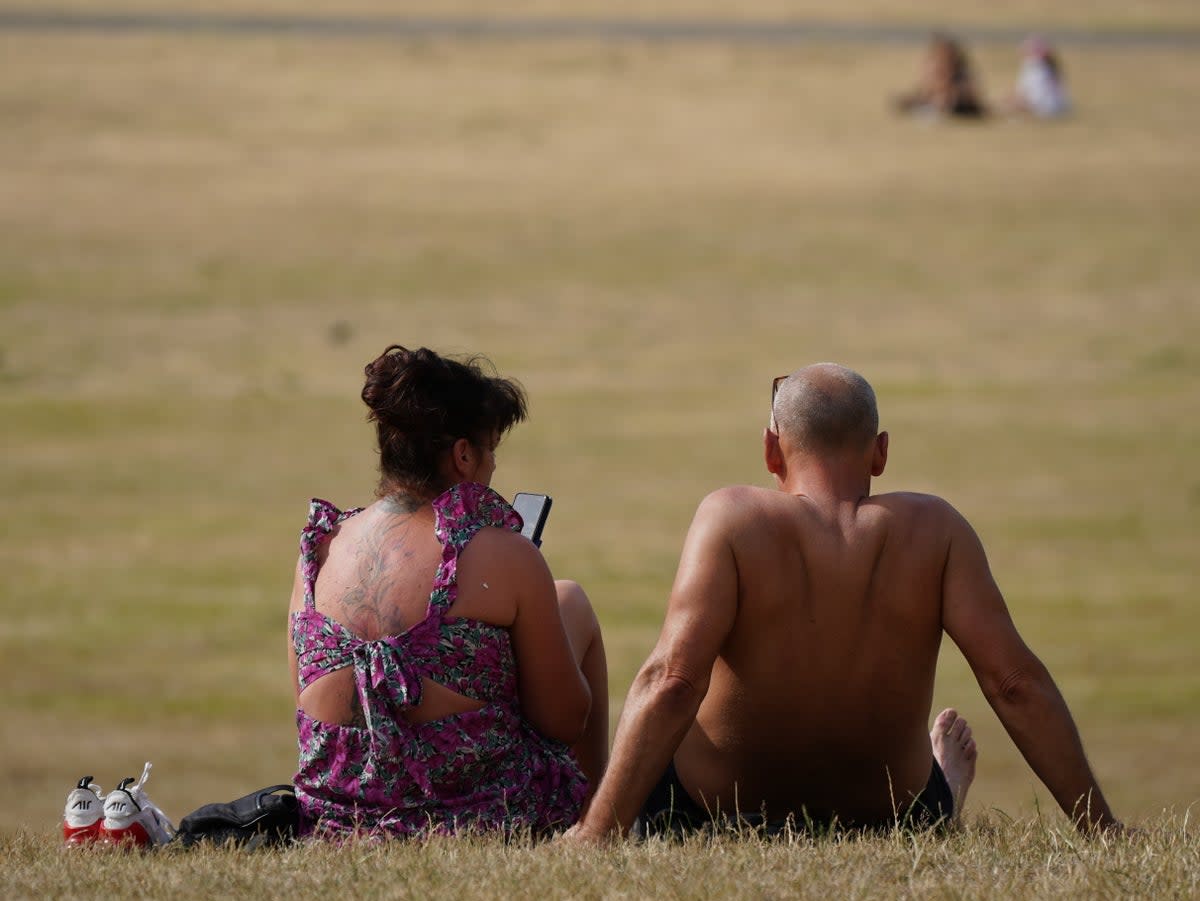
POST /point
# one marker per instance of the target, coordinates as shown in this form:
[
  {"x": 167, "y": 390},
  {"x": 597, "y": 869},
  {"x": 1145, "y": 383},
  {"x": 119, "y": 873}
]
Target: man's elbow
[
  {"x": 671, "y": 693},
  {"x": 1018, "y": 686}
]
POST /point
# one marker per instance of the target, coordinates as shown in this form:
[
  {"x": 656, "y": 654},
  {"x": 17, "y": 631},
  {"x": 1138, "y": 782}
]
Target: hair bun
[
  {"x": 421, "y": 402},
  {"x": 401, "y": 388}
]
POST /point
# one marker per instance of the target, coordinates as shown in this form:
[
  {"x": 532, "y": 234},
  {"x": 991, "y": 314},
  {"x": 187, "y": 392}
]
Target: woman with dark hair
[
  {"x": 947, "y": 86},
  {"x": 444, "y": 681}
]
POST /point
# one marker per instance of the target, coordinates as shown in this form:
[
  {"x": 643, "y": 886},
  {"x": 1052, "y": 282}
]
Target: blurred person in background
[
  {"x": 947, "y": 86},
  {"x": 1041, "y": 89},
  {"x": 444, "y": 681}
]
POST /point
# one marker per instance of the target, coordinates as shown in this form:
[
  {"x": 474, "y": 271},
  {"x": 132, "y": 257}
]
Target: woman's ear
[{"x": 462, "y": 459}]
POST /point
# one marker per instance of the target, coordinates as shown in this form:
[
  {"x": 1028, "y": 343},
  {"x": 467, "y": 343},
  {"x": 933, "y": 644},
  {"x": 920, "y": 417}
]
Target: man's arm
[
  {"x": 1015, "y": 682},
  {"x": 667, "y": 691}
]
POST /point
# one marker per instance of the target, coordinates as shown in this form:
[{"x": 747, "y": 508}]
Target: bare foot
[{"x": 955, "y": 751}]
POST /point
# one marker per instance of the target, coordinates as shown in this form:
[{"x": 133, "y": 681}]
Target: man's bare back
[
  {"x": 820, "y": 695},
  {"x": 794, "y": 672}
]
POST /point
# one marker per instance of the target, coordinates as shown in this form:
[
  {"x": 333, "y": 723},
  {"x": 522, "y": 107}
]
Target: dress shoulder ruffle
[{"x": 467, "y": 507}]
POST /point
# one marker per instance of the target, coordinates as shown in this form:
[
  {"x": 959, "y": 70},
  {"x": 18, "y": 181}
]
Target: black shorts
[{"x": 670, "y": 810}]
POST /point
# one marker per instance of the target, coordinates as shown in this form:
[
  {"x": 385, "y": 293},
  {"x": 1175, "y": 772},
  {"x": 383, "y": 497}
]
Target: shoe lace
[
  {"x": 137, "y": 786},
  {"x": 136, "y": 792}
]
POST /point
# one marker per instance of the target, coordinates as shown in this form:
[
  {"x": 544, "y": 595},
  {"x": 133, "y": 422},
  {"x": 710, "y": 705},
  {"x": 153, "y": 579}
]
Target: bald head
[{"x": 826, "y": 408}]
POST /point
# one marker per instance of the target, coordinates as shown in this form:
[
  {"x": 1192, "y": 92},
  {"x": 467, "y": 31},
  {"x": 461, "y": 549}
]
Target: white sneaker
[
  {"x": 83, "y": 813},
  {"x": 132, "y": 818}
]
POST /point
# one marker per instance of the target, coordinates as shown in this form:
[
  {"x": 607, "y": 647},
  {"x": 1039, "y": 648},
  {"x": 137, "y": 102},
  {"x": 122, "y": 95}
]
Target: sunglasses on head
[{"x": 775, "y": 383}]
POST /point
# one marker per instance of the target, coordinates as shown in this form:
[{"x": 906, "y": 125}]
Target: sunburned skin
[{"x": 850, "y": 588}]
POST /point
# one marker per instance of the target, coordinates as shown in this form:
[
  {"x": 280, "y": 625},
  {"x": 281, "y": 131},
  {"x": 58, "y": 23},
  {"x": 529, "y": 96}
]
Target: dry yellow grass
[
  {"x": 202, "y": 239},
  {"x": 994, "y": 859}
]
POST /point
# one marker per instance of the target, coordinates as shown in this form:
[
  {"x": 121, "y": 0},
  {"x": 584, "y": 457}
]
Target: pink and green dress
[{"x": 483, "y": 770}]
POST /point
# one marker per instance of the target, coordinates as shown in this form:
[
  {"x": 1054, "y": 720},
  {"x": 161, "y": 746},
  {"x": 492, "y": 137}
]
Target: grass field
[{"x": 203, "y": 239}]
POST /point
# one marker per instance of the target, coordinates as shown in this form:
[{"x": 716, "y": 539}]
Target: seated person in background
[
  {"x": 444, "y": 681},
  {"x": 947, "y": 86},
  {"x": 1041, "y": 89},
  {"x": 794, "y": 673}
]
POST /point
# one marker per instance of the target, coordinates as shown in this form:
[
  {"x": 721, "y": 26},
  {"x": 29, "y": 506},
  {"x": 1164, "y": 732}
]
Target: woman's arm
[
  {"x": 296, "y": 603},
  {"x": 554, "y": 695}
]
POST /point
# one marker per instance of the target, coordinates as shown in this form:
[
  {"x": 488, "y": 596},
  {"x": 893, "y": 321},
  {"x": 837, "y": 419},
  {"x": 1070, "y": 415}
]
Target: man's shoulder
[
  {"x": 917, "y": 505},
  {"x": 739, "y": 493},
  {"x": 735, "y": 506},
  {"x": 737, "y": 502},
  {"x": 912, "y": 499},
  {"x": 733, "y": 498}
]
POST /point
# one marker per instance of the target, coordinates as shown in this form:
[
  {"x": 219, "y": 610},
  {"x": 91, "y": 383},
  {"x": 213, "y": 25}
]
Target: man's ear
[
  {"x": 772, "y": 454},
  {"x": 879, "y": 454}
]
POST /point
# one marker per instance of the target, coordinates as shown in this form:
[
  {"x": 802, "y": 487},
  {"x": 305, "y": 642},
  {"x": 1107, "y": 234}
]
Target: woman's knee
[
  {"x": 578, "y": 617},
  {"x": 573, "y": 600},
  {"x": 571, "y": 593}
]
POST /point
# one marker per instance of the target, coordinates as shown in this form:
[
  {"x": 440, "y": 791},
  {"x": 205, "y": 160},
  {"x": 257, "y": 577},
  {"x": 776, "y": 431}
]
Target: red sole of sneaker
[
  {"x": 82, "y": 835},
  {"x": 133, "y": 836}
]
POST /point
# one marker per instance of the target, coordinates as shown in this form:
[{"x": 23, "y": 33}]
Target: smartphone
[{"x": 534, "y": 509}]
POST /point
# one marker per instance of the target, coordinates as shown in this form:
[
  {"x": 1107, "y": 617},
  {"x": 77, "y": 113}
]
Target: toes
[
  {"x": 952, "y": 735},
  {"x": 957, "y": 730},
  {"x": 945, "y": 720}
]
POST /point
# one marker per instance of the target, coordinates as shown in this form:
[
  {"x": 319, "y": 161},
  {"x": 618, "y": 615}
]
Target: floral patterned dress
[{"x": 486, "y": 769}]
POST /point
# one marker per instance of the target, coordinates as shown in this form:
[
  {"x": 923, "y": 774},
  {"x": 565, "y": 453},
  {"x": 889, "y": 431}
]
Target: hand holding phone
[{"x": 534, "y": 509}]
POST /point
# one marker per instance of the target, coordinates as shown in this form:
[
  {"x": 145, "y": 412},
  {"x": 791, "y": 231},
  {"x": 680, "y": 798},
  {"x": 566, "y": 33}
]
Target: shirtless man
[{"x": 794, "y": 672}]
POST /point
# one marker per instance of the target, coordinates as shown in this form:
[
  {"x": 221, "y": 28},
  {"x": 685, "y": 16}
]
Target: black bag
[{"x": 269, "y": 816}]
